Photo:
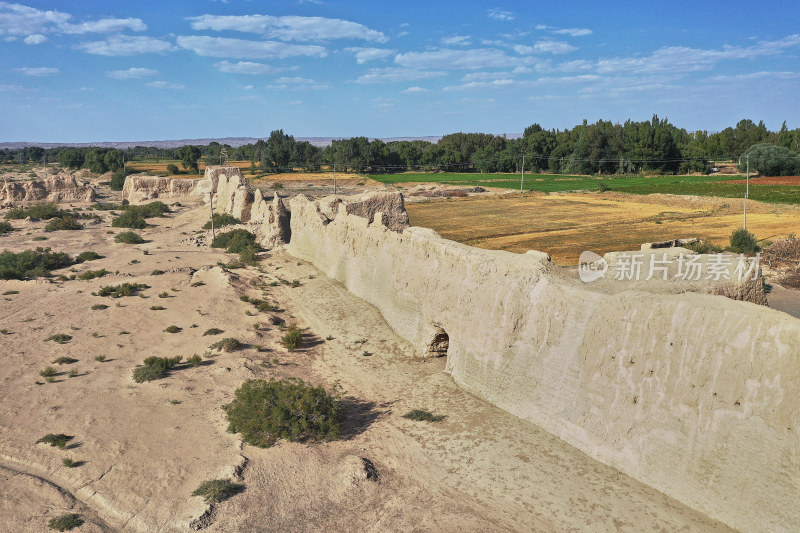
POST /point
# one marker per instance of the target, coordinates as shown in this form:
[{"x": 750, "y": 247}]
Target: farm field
[
  {"x": 564, "y": 225},
  {"x": 727, "y": 186},
  {"x": 159, "y": 166}
]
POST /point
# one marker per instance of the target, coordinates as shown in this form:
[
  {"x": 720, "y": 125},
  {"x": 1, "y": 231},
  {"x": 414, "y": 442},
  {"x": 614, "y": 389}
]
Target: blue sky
[{"x": 82, "y": 71}]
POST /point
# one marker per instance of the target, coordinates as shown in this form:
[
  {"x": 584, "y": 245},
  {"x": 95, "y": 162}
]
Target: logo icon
[{"x": 591, "y": 267}]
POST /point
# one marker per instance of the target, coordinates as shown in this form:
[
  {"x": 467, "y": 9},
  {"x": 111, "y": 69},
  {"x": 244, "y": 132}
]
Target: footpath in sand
[{"x": 143, "y": 448}]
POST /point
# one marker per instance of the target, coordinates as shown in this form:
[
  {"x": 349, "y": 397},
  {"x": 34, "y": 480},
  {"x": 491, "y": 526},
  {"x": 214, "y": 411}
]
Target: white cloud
[
  {"x": 38, "y": 71},
  {"x": 545, "y": 47},
  {"x": 415, "y": 90},
  {"x": 17, "y": 89},
  {"x": 105, "y": 26},
  {"x": 392, "y": 75},
  {"x": 297, "y": 83},
  {"x": 763, "y": 75},
  {"x": 126, "y": 45},
  {"x": 16, "y": 19},
  {"x": 456, "y": 40},
  {"x": 246, "y": 67},
  {"x": 133, "y": 73},
  {"x": 499, "y": 14},
  {"x": 36, "y": 38},
  {"x": 363, "y": 55},
  {"x": 574, "y": 32},
  {"x": 450, "y": 59},
  {"x": 289, "y": 28},
  {"x": 165, "y": 85},
  {"x": 241, "y": 48}
]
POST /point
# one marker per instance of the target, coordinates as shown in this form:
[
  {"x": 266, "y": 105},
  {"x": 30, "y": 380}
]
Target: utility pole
[
  {"x": 747, "y": 189},
  {"x": 211, "y": 203},
  {"x": 334, "y": 178},
  {"x": 522, "y": 177}
]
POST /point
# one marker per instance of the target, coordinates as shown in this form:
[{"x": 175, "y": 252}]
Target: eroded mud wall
[{"x": 696, "y": 395}]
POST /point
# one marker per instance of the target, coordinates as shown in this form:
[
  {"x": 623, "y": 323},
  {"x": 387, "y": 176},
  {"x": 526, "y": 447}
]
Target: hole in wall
[{"x": 440, "y": 343}]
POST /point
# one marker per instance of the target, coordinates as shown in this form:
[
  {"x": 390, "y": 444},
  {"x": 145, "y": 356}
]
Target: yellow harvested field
[
  {"x": 160, "y": 167},
  {"x": 564, "y": 225}
]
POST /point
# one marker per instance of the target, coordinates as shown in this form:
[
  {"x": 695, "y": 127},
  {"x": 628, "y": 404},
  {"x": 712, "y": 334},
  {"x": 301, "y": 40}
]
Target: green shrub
[
  {"x": 291, "y": 409},
  {"x": 217, "y": 490},
  {"x": 99, "y": 307},
  {"x": 293, "y": 338},
  {"x": 106, "y": 207},
  {"x": 30, "y": 263},
  {"x": 65, "y": 522},
  {"x": 743, "y": 242},
  {"x": 92, "y": 274},
  {"x": 248, "y": 255},
  {"x": 213, "y": 331},
  {"x": 129, "y": 219},
  {"x": 87, "y": 256},
  {"x": 128, "y": 237},
  {"x": 173, "y": 329},
  {"x": 7, "y": 293},
  {"x": 228, "y": 344},
  {"x": 59, "y": 338},
  {"x": 153, "y": 209},
  {"x": 44, "y": 211},
  {"x": 235, "y": 241},
  {"x": 66, "y": 223},
  {"x": 195, "y": 360},
  {"x": 65, "y": 360},
  {"x": 125, "y": 289},
  {"x": 420, "y": 415},
  {"x": 5, "y": 227},
  {"x": 703, "y": 247},
  {"x": 154, "y": 368},
  {"x": 118, "y": 180},
  {"x": 172, "y": 169},
  {"x": 157, "y": 273},
  {"x": 59, "y": 440},
  {"x": 100, "y": 358},
  {"x": 69, "y": 462},
  {"x": 48, "y": 372},
  {"x": 157, "y": 307},
  {"x": 221, "y": 220}
]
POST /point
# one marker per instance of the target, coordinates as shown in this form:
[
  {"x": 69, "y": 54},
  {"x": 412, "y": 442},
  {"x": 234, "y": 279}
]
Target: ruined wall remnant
[
  {"x": 58, "y": 188},
  {"x": 694, "y": 394},
  {"x": 143, "y": 188}
]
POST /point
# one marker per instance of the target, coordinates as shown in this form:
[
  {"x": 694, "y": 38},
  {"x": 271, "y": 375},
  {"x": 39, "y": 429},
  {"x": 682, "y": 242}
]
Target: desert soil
[{"x": 143, "y": 448}]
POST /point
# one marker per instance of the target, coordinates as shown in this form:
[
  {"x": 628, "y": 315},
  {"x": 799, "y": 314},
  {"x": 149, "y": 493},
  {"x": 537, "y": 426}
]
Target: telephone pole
[
  {"x": 334, "y": 178},
  {"x": 747, "y": 189},
  {"x": 522, "y": 176}
]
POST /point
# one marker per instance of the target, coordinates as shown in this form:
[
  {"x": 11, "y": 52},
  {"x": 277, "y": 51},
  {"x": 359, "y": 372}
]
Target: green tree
[
  {"x": 771, "y": 160},
  {"x": 189, "y": 155},
  {"x": 70, "y": 158}
]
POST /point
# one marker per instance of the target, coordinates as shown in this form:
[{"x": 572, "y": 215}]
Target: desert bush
[
  {"x": 172, "y": 169},
  {"x": 743, "y": 242},
  {"x": 106, "y": 206},
  {"x": 164, "y": 294},
  {"x": 92, "y": 274},
  {"x": 118, "y": 180},
  {"x": 784, "y": 253},
  {"x": 195, "y": 360},
  {"x": 48, "y": 372},
  {"x": 99, "y": 307},
  {"x": 65, "y": 223},
  {"x": 173, "y": 329},
  {"x": 129, "y": 219},
  {"x": 157, "y": 272},
  {"x": 65, "y": 522},
  {"x": 87, "y": 256},
  {"x": 100, "y": 358},
  {"x": 153, "y": 209},
  {"x": 69, "y": 462},
  {"x": 59, "y": 440},
  {"x": 197, "y": 284},
  {"x": 59, "y": 338},
  {"x": 213, "y": 331},
  {"x": 217, "y": 490},
  {"x": 221, "y": 220},
  {"x": 291, "y": 409},
  {"x": 65, "y": 360},
  {"x": 5, "y": 227},
  {"x": 228, "y": 344},
  {"x": 154, "y": 368},
  {"x": 128, "y": 237},
  {"x": 235, "y": 241},
  {"x": 771, "y": 160},
  {"x": 44, "y": 211},
  {"x": 248, "y": 255},
  {"x": 30, "y": 263},
  {"x": 157, "y": 307},
  {"x": 125, "y": 289},
  {"x": 419, "y": 415},
  {"x": 7, "y": 293},
  {"x": 293, "y": 338}
]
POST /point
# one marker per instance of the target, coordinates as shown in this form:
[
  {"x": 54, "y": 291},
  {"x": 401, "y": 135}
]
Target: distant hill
[{"x": 231, "y": 141}]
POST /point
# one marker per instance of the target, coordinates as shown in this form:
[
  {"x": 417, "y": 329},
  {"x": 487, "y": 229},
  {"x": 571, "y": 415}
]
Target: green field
[{"x": 712, "y": 185}]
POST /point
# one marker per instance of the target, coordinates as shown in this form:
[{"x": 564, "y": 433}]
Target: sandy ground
[{"x": 143, "y": 448}]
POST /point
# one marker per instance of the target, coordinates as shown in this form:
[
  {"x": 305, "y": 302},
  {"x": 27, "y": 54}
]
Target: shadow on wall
[{"x": 440, "y": 343}]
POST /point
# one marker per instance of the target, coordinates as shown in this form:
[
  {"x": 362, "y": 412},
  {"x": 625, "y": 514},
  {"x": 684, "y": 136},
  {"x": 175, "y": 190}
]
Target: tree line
[{"x": 603, "y": 147}]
